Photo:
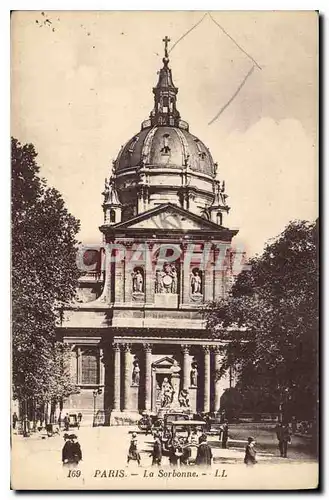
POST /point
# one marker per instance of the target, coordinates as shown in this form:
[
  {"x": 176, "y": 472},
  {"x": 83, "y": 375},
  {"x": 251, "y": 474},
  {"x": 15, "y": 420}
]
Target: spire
[
  {"x": 111, "y": 206},
  {"x": 165, "y": 95}
]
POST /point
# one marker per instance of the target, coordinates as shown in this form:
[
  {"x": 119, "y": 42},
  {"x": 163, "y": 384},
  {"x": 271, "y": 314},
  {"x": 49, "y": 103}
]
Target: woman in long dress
[{"x": 133, "y": 453}]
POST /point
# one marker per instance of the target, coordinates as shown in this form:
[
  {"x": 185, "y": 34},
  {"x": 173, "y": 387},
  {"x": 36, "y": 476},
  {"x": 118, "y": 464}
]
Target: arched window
[
  {"x": 112, "y": 215},
  {"x": 165, "y": 148}
]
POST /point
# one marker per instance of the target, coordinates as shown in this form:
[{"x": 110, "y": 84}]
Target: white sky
[{"x": 79, "y": 97}]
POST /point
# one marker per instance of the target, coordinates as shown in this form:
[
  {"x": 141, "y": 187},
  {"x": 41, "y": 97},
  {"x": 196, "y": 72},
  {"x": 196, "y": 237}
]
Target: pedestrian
[
  {"x": 204, "y": 454},
  {"x": 15, "y": 420},
  {"x": 71, "y": 452},
  {"x": 157, "y": 451},
  {"x": 250, "y": 454},
  {"x": 175, "y": 452},
  {"x": 79, "y": 417},
  {"x": 224, "y": 434},
  {"x": 207, "y": 419},
  {"x": 26, "y": 426},
  {"x": 66, "y": 422},
  {"x": 149, "y": 424},
  {"x": 283, "y": 435},
  {"x": 133, "y": 453},
  {"x": 194, "y": 437}
]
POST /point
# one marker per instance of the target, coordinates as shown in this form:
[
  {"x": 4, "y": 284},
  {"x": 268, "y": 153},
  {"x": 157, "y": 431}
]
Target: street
[{"x": 36, "y": 461}]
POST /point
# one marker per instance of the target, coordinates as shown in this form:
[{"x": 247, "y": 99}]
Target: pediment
[
  {"x": 169, "y": 217},
  {"x": 165, "y": 362}
]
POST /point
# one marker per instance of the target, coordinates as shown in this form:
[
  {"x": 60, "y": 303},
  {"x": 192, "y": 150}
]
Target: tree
[
  {"x": 270, "y": 321},
  {"x": 44, "y": 275}
]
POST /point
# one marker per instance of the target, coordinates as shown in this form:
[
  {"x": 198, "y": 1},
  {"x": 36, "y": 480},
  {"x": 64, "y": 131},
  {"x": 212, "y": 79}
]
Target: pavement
[{"x": 37, "y": 459}]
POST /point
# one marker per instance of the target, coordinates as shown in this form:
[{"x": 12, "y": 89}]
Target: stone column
[
  {"x": 186, "y": 366},
  {"x": 148, "y": 375},
  {"x": 127, "y": 377},
  {"x": 218, "y": 391},
  {"x": 101, "y": 367},
  {"x": 185, "y": 274},
  {"x": 119, "y": 279},
  {"x": 206, "y": 393},
  {"x": 128, "y": 277},
  {"x": 117, "y": 368},
  {"x": 149, "y": 275},
  {"x": 79, "y": 366},
  {"x": 208, "y": 274}
]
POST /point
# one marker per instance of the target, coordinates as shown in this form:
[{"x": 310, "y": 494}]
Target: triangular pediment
[
  {"x": 169, "y": 217},
  {"x": 165, "y": 362}
]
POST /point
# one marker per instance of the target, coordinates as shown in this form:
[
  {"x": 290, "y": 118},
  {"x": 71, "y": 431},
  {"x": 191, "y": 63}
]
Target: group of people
[
  {"x": 51, "y": 428},
  {"x": 283, "y": 434},
  {"x": 178, "y": 449},
  {"x": 71, "y": 452}
]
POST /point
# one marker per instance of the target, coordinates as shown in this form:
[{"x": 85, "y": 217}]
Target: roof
[
  {"x": 181, "y": 220},
  {"x": 166, "y": 147}
]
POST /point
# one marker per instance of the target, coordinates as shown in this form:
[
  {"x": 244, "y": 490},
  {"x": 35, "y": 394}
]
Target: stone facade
[{"x": 137, "y": 334}]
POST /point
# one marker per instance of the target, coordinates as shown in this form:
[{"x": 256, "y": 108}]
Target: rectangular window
[{"x": 89, "y": 367}]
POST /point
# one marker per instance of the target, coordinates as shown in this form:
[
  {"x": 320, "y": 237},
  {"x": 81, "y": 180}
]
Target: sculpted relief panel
[{"x": 166, "y": 280}]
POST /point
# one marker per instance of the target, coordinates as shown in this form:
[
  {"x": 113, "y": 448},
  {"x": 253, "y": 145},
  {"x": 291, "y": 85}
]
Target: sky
[{"x": 82, "y": 84}]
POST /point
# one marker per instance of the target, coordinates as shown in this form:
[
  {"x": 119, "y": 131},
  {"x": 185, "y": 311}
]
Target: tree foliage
[
  {"x": 270, "y": 320},
  {"x": 44, "y": 275}
]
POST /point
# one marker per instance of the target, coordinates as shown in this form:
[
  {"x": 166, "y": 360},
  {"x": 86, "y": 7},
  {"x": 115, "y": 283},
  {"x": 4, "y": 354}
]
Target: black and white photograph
[{"x": 164, "y": 250}]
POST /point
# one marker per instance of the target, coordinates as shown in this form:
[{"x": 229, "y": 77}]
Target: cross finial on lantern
[{"x": 166, "y": 40}]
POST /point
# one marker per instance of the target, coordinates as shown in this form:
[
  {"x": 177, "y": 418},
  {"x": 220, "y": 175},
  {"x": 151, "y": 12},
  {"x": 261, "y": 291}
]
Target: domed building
[
  {"x": 165, "y": 163},
  {"x": 137, "y": 336}
]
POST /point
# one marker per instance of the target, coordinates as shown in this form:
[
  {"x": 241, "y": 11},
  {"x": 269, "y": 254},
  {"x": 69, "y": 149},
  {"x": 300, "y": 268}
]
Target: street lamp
[{"x": 95, "y": 392}]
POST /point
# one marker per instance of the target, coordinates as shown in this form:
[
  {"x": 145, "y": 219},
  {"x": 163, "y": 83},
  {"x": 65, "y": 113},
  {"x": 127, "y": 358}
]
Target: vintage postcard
[{"x": 165, "y": 320}]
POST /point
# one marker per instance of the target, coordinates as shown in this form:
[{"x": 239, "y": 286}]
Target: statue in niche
[
  {"x": 136, "y": 372},
  {"x": 166, "y": 393},
  {"x": 196, "y": 282},
  {"x": 138, "y": 281},
  {"x": 194, "y": 374},
  {"x": 175, "y": 381}
]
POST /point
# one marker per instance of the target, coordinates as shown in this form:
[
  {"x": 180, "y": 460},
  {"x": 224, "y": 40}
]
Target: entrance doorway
[{"x": 161, "y": 370}]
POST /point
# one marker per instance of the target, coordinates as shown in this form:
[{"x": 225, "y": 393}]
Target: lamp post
[{"x": 95, "y": 392}]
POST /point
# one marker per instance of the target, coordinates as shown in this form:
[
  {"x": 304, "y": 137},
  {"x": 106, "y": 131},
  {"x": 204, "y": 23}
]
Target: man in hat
[
  {"x": 157, "y": 450},
  {"x": 224, "y": 434},
  {"x": 283, "y": 435},
  {"x": 15, "y": 420},
  {"x": 66, "y": 422},
  {"x": 204, "y": 455},
  {"x": 175, "y": 452},
  {"x": 71, "y": 452},
  {"x": 250, "y": 452}
]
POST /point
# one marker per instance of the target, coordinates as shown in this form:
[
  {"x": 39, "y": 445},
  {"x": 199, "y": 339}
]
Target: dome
[
  {"x": 166, "y": 147},
  {"x": 164, "y": 162}
]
